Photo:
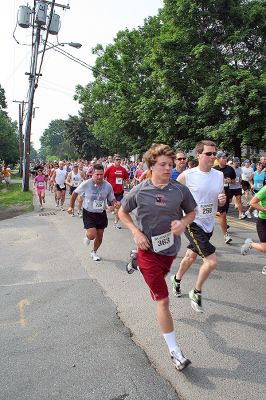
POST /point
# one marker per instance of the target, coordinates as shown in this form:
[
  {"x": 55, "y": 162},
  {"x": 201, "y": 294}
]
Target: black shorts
[
  {"x": 72, "y": 188},
  {"x": 235, "y": 192},
  {"x": 245, "y": 185},
  {"x": 261, "y": 229},
  {"x": 94, "y": 220},
  {"x": 58, "y": 189},
  {"x": 199, "y": 240},
  {"x": 119, "y": 196}
]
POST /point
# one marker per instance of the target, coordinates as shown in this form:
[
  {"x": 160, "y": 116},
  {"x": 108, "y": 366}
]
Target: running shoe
[
  {"x": 227, "y": 238},
  {"x": 255, "y": 213},
  {"x": 264, "y": 270},
  {"x": 246, "y": 247},
  {"x": 72, "y": 215},
  {"x": 62, "y": 208},
  {"x": 132, "y": 266},
  {"x": 242, "y": 216},
  {"x": 176, "y": 287},
  {"x": 179, "y": 360},
  {"x": 196, "y": 301},
  {"x": 57, "y": 205},
  {"x": 116, "y": 225},
  {"x": 41, "y": 208},
  {"x": 94, "y": 256},
  {"x": 248, "y": 214},
  {"x": 86, "y": 241}
]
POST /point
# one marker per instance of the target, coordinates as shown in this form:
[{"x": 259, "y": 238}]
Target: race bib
[
  {"x": 259, "y": 185},
  {"x": 62, "y": 186},
  {"x": 237, "y": 179},
  {"x": 205, "y": 210},
  {"x": 40, "y": 184},
  {"x": 75, "y": 184},
  {"x": 162, "y": 242},
  {"x": 98, "y": 204},
  {"x": 119, "y": 181}
]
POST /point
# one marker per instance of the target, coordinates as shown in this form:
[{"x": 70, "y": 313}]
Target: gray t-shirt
[
  {"x": 156, "y": 208},
  {"x": 95, "y": 196},
  {"x": 237, "y": 184}
]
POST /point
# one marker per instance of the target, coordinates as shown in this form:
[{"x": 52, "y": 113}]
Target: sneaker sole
[
  {"x": 195, "y": 307},
  {"x": 183, "y": 366},
  {"x": 228, "y": 241}
]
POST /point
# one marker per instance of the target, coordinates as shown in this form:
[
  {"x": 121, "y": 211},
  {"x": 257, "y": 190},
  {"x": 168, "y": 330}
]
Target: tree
[{"x": 9, "y": 143}]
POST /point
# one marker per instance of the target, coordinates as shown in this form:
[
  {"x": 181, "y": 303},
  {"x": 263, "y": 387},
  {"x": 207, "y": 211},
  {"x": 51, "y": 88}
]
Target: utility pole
[
  {"x": 37, "y": 19},
  {"x": 21, "y": 110}
]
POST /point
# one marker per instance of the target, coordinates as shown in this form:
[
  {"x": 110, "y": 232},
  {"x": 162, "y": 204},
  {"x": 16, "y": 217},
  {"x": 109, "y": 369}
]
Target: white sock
[{"x": 170, "y": 339}]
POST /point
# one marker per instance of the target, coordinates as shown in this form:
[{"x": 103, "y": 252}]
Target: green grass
[{"x": 12, "y": 195}]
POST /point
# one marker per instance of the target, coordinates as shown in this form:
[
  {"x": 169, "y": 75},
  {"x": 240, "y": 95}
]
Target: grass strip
[{"x": 12, "y": 195}]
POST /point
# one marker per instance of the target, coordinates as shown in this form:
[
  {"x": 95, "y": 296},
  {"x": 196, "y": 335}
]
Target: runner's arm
[
  {"x": 72, "y": 202},
  {"x": 181, "y": 178},
  {"x": 178, "y": 226},
  {"x": 141, "y": 240}
]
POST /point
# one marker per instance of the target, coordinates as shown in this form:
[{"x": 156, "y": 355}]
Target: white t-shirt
[
  {"x": 60, "y": 176},
  {"x": 205, "y": 188},
  {"x": 246, "y": 172}
]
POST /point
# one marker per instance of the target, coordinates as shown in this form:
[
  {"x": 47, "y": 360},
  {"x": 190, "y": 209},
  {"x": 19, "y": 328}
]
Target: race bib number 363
[{"x": 162, "y": 242}]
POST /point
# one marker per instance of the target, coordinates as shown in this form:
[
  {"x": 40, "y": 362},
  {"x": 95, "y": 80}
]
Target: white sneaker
[
  {"x": 62, "y": 208},
  {"x": 255, "y": 213},
  {"x": 117, "y": 226},
  {"x": 246, "y": 247},
  {"x": 57, "y": 205},
  {"x": 227, "y": 238},
  {"x": 247, "y": 213},
  {"x": 242, "y": 216},
  {"x": 86, "y": 241},
  {"x": 94, "y": 256},
  {"x": 72, "y": 215},
  {"x": 179, "y": 360}
]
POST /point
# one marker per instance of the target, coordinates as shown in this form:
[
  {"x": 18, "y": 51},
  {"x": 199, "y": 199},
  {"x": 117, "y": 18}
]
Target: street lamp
[{"x": 52, "y": 46}]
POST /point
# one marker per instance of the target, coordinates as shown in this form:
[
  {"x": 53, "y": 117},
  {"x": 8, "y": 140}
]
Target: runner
[
  {"x": 180, "y": 164},
  {"x": 59, "y": 177},
  {"x": 6, "y": 175},
  {"x": 235, "y": 189},
  {"x": 116, "y": 175},
  {"x": 247, "y": 173},
  {"x": 96, "y": 192},
  {"x": 207, "y": 187},
  {"x": 229, "y": 177},
  {"x": 159, "y": 204},
  {"x": 74, "y": 179},
  {"x": 259, "y": 203},
  {"x": 259, "y": 177},
  {"x": 39, "y": 184}
]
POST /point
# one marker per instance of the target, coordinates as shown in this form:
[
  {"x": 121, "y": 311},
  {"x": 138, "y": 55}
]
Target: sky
[{"x": 87, "y": 22}]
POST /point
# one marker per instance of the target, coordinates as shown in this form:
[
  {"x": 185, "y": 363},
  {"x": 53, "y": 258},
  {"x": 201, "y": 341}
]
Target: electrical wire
[{"x": 73, "y": 58}]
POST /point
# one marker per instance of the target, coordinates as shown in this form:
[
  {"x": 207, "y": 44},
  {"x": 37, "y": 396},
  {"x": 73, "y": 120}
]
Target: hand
[
  {"x": 70, "y": 210},
  {"x": 141, "y": 241},
  {"x": 177, "y": 227},
  {"x": 221, "y": 199}
]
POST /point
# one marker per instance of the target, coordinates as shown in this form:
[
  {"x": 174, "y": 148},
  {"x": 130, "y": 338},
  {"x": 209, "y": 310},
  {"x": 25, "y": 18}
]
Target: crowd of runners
[{"x": 171, "y": 195}]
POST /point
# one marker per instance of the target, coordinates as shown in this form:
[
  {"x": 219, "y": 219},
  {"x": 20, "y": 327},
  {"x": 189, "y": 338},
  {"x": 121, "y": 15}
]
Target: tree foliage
[
  {"x": 197, "y": 70},
  {"x": 9, "y": 143}
]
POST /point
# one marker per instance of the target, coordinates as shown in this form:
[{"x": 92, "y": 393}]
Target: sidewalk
[{"x": 226, "y": 344}]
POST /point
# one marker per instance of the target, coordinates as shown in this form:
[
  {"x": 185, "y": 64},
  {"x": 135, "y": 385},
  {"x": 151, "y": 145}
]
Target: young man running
[
  {"x": 207, "y": 187},
  {"x": 96, "y": 191},
  {"x": 159, "y": 204}
]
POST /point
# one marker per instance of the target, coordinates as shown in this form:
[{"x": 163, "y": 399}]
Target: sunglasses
[
  {"x": 118, "y": 159},
  {"x": 181, "y": 158},
  {"x": 210, "y": 153}
]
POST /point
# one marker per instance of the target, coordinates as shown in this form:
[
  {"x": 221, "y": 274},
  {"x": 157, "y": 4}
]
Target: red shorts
[{"x": 154, "y": 267}]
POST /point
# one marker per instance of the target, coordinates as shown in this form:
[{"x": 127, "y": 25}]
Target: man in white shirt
[{"x": 207, "y": 187}]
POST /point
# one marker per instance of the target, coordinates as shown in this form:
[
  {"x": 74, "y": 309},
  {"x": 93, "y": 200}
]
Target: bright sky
[{"x": 86, "y": 22}]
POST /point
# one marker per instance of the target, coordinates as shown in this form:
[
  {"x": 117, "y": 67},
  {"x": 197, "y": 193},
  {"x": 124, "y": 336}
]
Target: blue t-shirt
[{"x": 175, "y": 174}]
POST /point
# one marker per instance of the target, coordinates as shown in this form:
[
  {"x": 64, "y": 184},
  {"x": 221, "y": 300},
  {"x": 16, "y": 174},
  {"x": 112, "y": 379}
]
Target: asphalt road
[{"x": 75, "y": 329}]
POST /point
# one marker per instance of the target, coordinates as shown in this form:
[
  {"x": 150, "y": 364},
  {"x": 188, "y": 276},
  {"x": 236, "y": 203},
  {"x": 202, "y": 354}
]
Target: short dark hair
[
  {"x": 98, "y": 167},
  {"x": 200, "y": 145}
]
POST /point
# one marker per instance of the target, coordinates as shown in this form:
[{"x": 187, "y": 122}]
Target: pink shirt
[{"x": 40, "y": 180}]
